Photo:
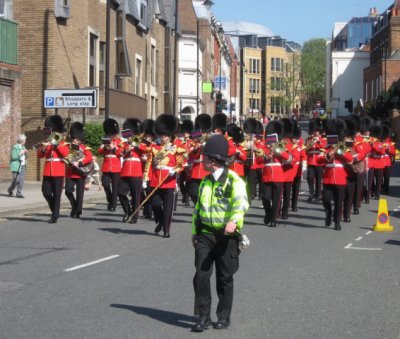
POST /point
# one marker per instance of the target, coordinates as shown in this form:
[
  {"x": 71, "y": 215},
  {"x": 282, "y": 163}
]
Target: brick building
[{"x": 62, "y": 44}]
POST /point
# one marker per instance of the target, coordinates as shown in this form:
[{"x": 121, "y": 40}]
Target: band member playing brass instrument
[
  {"x": 240, "y": 158},
  {"x": 111, "y": 151},
  {"x": 79, "y": 164},
  {"x": 53, "y": 152},
  {"x": 188, "y": 144}
]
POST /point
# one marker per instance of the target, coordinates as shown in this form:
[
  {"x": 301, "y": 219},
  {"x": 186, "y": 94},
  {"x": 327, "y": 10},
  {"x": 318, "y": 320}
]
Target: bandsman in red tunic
[
  {"x": 79, "y": 165},
  {"x": 167, "y": 160},
  {"x": 300, "y": 166},
  {"x": 376, "y": 161},
  {"x": 131, "y": 173},
  {"x": 365, "y": 126},
  {"x": 236, "y": 133},
  {"x": 220, "y": 126},
  {"x": 335, "y": 176},
  {"x": 272, "y": 157},
  {"x": 53, "y": 151},
  {"x": 111, "y": 150},
  {"x": 315, "y": 145},
  {"x": 188, "y": 144},
  {"x": 203, "y": 127},
  {"x": 389, "y": 156}
]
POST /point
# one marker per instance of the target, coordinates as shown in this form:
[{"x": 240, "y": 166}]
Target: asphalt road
[{"x": 300, "y": 280}]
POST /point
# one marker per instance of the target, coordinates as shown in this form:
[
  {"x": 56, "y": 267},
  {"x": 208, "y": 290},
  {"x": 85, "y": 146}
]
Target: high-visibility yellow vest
[{"x": 219, "y": 202}]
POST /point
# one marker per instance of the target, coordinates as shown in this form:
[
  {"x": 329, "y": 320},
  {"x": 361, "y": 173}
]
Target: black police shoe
[
  {"x": 221, "y": 324},
  {"x": 202, "y": 323}
]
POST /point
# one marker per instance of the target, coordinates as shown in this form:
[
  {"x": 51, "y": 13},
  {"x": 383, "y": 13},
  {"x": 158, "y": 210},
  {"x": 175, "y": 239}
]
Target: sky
[{"x": 296, "y": 20}]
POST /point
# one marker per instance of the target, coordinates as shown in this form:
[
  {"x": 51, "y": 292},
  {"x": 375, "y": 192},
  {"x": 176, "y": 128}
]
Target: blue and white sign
[
  {"x": 70, "y": 98},
  {"x": 220, "y": 83}
]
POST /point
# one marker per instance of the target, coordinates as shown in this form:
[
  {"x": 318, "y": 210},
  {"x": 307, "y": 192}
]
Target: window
[
  {"x": 138, "y": 77},
  {"x": 92, "y": 60},
  {"x": 153, "y": 64},
  {"x": 123, "y": 67},
  {"x": 102, "y": 58},
  {"x": 276, "y": 84},
  {"x": 276, "y": 64},
  {"x": 62, "y": 9},
  {"x": 276, "y": 106},
  {"x": 254, "y": 66}
]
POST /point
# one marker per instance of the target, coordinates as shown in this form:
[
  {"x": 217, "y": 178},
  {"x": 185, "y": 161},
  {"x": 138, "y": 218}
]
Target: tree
[
  {"x": 291, "y": 80},
  {"x": 313, "y": 71}
]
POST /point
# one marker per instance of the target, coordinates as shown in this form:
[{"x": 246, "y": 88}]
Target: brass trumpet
[
  {"x": 278, "y": 147},
  {"x": 55, "y": 138},
  {"x": 341, "y": 148},
  {"x": 135, "y": 140}
]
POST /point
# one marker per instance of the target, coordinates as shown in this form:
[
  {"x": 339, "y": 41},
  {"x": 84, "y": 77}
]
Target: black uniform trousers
[
  {"x": 314, "y": 179},
  {"x": 272, "y": 192},
  {"x": 51, "y": 190},
  {"x": 386, "y": 179},
  {"x": 134, "y": 186},
  {"x": 253, "y": 177},
  {"x": 287, "y": 189},
  {"x": 335, "y": 193},
  {"x": 349, "y": 193},
  {"x": 183, "y": 180},
  {"x": 147, "y": 210},
  {"x": 375, "y": 174},
  {"x": 76, "y": 202},
  {"x": 358, "y": 194},
  {"x": 224, "y": 252},
  {"x": 163, "y": 205},
  {"x": 110, "y": 182},
  {"x": 193, "y": 188},
  {"x": 295, "y": 192}
]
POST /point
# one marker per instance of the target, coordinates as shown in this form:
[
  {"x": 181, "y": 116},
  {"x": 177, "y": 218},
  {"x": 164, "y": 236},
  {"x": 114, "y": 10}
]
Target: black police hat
[{"x": 216, "y": 147}]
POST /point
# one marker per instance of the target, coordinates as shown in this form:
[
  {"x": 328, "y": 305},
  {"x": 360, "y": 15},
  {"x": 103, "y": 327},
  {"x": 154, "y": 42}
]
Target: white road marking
[
  {"x": 363, "y": 248},
  {"x": 396, "y": 209},
  {"x": 369, "y": 232},
  {"x": 348, "y": 246},
  {"x": 359, "y": 238},
  {"x": 91, "y": 263}
]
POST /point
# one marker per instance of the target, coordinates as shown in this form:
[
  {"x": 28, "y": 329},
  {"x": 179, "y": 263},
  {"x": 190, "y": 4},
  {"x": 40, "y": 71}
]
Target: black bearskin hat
[
  {"x": 166, "y": 124},
  {"x": 187, "y": 126},
  {"x": 365, "y": 124},
  {"x": 287, "y": 127},
  {"x": 55, "y": 123},
  {"x": 375, "y": 131},
  {"x": 216, "y": 147},
  {"x": 275, "y": 126},
  {"x": 133, "y": 124},
  {"x": 236, "y": 133},
  {"x": 385, "y": 131},
  {"x": 110, "y": 126},
  {"x": 219, "y": 121},
  {"x": 336, "y": 127},
  {"x": 147, "y": 126},
  {"x": 259, "y": 129},
  {"x": 314, "y": 125},
  {"x": 250, "y": 126},
  {"x": 351, "y": 129},
  {"x": 203, "y": 123},
  {"x": 296, "y": 130},
  {"x": 77, "y": 131}
]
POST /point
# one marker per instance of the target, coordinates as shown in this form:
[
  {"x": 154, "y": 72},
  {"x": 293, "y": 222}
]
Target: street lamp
[
  {"x": 207, "y": 4},
  {"x": 107, "y": 65}
]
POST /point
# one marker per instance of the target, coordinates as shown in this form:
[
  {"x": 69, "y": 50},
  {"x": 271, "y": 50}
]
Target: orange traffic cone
[{"x": 382, "y": 220}]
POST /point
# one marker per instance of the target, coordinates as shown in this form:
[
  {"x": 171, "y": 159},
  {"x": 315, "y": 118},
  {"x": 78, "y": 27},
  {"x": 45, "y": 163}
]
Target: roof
[{"x": 246, "y": 28}]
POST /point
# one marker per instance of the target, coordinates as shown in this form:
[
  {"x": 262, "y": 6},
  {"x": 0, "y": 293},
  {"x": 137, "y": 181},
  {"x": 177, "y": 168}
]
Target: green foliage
[
  {"x": 313, "y": 71},
  {"x": 94, "y": 133}
]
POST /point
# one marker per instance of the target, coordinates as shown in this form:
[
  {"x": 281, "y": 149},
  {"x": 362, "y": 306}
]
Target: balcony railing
[{"x": 8, "y": 42}]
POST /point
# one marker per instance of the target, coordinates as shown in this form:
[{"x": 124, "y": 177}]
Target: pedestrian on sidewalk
[
  {"x": 217, "y": 222},
  {"x": 94, "y": 176},
  {"x": 18, "y": 158}
]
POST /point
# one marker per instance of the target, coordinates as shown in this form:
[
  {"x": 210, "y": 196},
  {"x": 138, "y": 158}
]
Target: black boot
[
  {"x": 203, "y": 323},
  {"x": 337, "y": 226}
]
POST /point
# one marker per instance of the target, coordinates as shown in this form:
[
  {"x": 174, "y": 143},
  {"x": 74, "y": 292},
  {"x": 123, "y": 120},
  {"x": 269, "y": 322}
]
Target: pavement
[{"x": 34, "y": 200}]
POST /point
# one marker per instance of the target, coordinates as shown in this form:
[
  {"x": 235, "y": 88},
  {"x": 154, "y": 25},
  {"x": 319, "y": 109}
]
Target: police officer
[{"x": 217, "y": 221}]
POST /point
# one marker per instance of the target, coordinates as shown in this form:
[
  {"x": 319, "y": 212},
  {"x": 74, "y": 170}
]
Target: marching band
[{"x": 347, "y": 161}]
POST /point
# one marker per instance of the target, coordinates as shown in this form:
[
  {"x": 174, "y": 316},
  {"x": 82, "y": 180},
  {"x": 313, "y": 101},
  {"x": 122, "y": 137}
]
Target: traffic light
[
  {"x": 349, "y": 105},
  {"x": 218, "y": 103}
]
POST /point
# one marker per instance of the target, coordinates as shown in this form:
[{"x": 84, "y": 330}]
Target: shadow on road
[
  {"x": 171, "y": 318},
  {"x": 393, "y": 242},
  {"x": 125, "y": 231}
]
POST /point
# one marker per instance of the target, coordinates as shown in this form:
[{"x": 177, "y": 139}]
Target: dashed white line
[
  {"x": 369, "y": 232},
  {"x": 91, "y": 263},
  {"x": 348, "y": 246},
  {"x": 359, "y": 238},
  {"x": 363, "y": 248}
]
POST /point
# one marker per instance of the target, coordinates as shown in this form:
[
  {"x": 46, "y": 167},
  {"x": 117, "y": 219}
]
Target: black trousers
[
  {"x": 335, "y": 193},
  {"x": 253, "y": 178},
  {"x": 295, "y": 191},
  {"x": 358, "y": 194},
  {"x": 314, "y": 179},
  {"x": 193, "y": 188},
  {"x": 76, "y": 201},
  {"x": 224, "y": 252},
  {"x": 163, "y": 205},
  {"x": 183, "y": 180},
  {"x": 51, "y": 190},
  {"x": 349, "y": 192},
  {"x": 110, "y": 182},
  {"x": 271, "y": 199},
  {"x": 386, "y": 179},
  {"x": 287, "y": 189},
  {"x": 375, "y": 174},
  {"x": 147, "y": 210},
  {"x": 134, "y": 186}
]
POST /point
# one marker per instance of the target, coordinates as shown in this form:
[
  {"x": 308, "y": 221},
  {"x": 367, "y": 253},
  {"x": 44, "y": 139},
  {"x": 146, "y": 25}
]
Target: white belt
[
  {"x": 272, "y": 164},
  {"x": 197, "y": 161},
  {"x": 239, "y": 161},
  {"x": 334, "y": 165},
  {"x": 132, "y": 159},
  {"x": 314, "y": 152},
  {"x": 377, "y": 156},
  {"x": 54, "y": 159},
  {"x": 297, "y": 163},
  {"x": 110, "y": 156},
  {"x": 164, "y": 168}
]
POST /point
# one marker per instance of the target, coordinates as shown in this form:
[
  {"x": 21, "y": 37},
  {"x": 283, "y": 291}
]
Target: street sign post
[{"x": 70, "y": 98}]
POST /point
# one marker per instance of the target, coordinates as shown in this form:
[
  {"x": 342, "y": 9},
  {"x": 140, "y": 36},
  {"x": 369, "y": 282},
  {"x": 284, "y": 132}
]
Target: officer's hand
[
  {"x": 144, "y": 184},
  {"x": 230, "y": 227},
  {"x": 194, "y": 240}
]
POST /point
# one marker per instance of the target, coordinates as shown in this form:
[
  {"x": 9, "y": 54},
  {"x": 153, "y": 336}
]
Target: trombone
[{"x": 54, "y": 139}]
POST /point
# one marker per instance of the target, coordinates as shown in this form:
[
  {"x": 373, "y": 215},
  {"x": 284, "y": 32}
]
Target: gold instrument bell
[{"x": 278, "y": 147}]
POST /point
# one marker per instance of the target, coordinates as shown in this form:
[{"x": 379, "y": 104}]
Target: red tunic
[
  {"x": 272, "y": 170},
  {"x": 314, "y": 149},
  {"x": 112, "y": 156},
  {"x": 132, "y": 163},
  {"x": 87, "y": 159},
  {"x": 196, "y": 159},
  {"x": 335, "y": 172},
  {"x": 54, "y": 165},
  {"x": 288, "y": 166},
  {"x": 240, "y": 159}
]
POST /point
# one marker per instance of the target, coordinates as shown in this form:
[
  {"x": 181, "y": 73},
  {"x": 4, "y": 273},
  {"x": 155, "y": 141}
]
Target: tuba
[{"x": 75, "y": 155}]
